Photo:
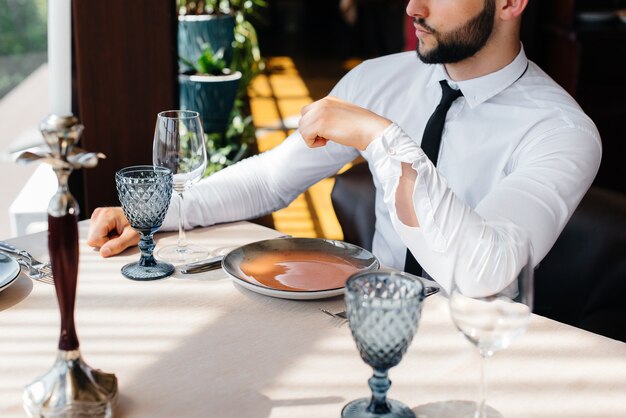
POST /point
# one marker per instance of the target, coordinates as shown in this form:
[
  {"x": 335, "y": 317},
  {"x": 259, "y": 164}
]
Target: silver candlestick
[{"x": 70, "y": 388}]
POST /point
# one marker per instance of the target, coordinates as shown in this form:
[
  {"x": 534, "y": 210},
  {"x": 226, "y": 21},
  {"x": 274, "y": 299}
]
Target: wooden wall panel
[{"x": 125, "y": 73}]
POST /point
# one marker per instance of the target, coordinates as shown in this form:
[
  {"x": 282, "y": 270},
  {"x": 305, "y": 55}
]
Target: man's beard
[{"x": 461, "y": 43}]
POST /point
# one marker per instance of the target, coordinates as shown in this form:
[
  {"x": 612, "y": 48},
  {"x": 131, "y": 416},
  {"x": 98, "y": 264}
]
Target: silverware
[
  {"x": 338, "y": 315},
  {"x": 431, "y": 290},
  {"x": 428, "y": 290},
  {"x": 36, "y": 269},
  {"x": 209, "y": 264}
]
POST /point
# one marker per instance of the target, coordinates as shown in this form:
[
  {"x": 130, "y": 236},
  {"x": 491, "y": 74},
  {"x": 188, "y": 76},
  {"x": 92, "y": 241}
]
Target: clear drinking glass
[
  {"x": 383, "y": 311},
  {"x": 492, "y": 291},
  {"x": 145, "y": 192},
  {"x": 179, "y": 145}
]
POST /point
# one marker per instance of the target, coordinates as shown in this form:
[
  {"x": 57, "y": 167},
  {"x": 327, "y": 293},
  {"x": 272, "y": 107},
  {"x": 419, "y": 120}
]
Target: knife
[
  {"x": 209, "y": 264},
  {"x": 431, "y": 290}
]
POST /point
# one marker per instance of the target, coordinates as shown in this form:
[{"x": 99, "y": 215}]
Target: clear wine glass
[
  {"x": 179, "y": 145},
  {"x": 145, "y": 192},
  {"x": 383, "y": 310},
  {"x": 492, "y": 291}
]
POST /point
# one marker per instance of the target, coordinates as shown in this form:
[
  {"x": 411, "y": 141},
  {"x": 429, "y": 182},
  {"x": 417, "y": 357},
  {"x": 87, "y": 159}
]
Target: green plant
[
  {"x": 211, "y": 63},
  {"x": 22, "y": 26},
  {"x": 200, "y": 7},
  {"x": 246, "y": 53},
  {"x": 239, "y": 139},
  {"x": 22, "y": 40}
]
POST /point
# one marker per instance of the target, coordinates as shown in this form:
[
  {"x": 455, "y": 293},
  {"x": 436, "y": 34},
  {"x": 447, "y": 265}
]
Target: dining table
[{"x": 200, "y": 345}]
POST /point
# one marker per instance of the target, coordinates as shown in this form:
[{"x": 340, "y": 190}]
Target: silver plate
[
  {"x": 9, "y": 271},
  {"x": 321, "y": 249}
]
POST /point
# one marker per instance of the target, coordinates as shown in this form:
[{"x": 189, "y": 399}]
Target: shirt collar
[{"x": 481, "y": 89}]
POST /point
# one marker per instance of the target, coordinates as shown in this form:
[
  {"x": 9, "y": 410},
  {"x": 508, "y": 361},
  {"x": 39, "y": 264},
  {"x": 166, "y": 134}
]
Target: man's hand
[
  {"x": 332, "y": 119},
  {"x": 111, "y": 231}
]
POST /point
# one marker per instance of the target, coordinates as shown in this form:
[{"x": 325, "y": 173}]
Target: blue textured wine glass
[
  {"x": 383, "y": 310},
  {"x": 145, "y": 192}
]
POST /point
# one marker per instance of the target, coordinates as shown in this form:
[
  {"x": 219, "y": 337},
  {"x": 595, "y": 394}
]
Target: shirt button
[{"x": 391, "y": 151}]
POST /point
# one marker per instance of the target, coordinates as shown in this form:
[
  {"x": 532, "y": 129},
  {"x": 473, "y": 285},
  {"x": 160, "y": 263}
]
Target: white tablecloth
[{"x": 201, "y": 346}]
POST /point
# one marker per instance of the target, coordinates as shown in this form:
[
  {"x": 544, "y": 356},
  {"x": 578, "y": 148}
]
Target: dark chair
[
  {"x": 582, "y": 280},
  {"x": 353, "y": 197}
]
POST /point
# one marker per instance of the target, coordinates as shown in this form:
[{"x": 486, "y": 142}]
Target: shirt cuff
[
  {"x": 390, "y": 148},
  {"x": 386, "y": 153}
]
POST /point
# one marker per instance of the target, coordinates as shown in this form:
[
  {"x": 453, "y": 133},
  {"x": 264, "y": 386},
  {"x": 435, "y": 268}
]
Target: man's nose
[{"x": 417, "y": 8}]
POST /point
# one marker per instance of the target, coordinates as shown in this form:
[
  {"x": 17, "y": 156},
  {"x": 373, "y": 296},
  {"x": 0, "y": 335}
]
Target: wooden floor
[{"x": 276, "y": 98}]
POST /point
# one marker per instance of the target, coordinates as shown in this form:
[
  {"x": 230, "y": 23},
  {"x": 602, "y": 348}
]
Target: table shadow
[
  {"x": 452, "y": 409},
  {"x": 209, "y": 370}
]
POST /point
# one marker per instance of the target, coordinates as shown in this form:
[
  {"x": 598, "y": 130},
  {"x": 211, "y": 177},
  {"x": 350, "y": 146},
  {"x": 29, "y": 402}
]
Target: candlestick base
[{"x": 71, "y": 389}]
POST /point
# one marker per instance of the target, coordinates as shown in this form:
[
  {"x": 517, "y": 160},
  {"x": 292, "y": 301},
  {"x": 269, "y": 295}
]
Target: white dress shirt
[{"x": 516, "y": 147}]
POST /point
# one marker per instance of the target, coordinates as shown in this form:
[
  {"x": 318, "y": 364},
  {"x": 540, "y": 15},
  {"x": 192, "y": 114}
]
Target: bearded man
[{"x": 515, "y": 147}]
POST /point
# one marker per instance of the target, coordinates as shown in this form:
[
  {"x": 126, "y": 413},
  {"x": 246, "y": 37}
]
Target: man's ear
[{"x": 511, "y": 9}]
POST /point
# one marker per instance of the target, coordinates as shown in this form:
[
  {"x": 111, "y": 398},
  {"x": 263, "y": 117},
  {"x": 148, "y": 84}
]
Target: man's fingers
[
  {"x": 129, "y": 237},
  {"x": 306, "y": 109},
  {"x": 313, "y": 141},
  {"x": 100, "y": 230},
  {"x": 110, "y": 231},
  {"x": 318, "y": 142}
]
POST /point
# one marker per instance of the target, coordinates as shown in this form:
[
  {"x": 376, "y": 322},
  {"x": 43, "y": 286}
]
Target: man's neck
[{"x": 495, "y": 55}]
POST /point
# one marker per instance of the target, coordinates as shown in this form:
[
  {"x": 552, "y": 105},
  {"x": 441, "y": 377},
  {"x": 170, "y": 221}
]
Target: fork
[
  {"x": 36, "y": 269},
  {"x": 428, "y": 290},
  {"x": 338, "y": 315}
]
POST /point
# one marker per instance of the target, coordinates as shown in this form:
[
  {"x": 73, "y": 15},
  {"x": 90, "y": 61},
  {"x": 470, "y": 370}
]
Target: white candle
[{"x": 60, "y": 57}]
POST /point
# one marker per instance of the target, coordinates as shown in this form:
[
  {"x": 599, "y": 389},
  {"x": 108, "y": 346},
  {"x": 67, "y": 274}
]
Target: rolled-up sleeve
[{"x": 547, "y": 178}]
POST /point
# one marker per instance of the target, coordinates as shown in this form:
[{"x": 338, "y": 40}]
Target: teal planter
[
  {"x": 194, "y": 32},
  {"x": 211, "y": 96}
]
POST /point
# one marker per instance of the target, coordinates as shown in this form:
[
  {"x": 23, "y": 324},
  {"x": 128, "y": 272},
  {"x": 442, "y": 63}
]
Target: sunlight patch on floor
[{"x": 276, "y": 97}]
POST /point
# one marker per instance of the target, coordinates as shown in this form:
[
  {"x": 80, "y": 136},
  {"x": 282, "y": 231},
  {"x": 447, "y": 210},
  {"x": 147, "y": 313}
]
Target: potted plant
[
  {"x": 209, "y": 88},
  {"x": 225, "y": 25},
  {"x": 202, "y": 23},
  {"x": 229, "y": 39}
]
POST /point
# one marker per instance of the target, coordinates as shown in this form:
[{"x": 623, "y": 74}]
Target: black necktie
[{"x": 431, "y": 141}]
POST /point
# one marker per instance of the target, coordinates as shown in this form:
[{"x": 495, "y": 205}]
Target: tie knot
[{"x": 448, "y": 93}]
